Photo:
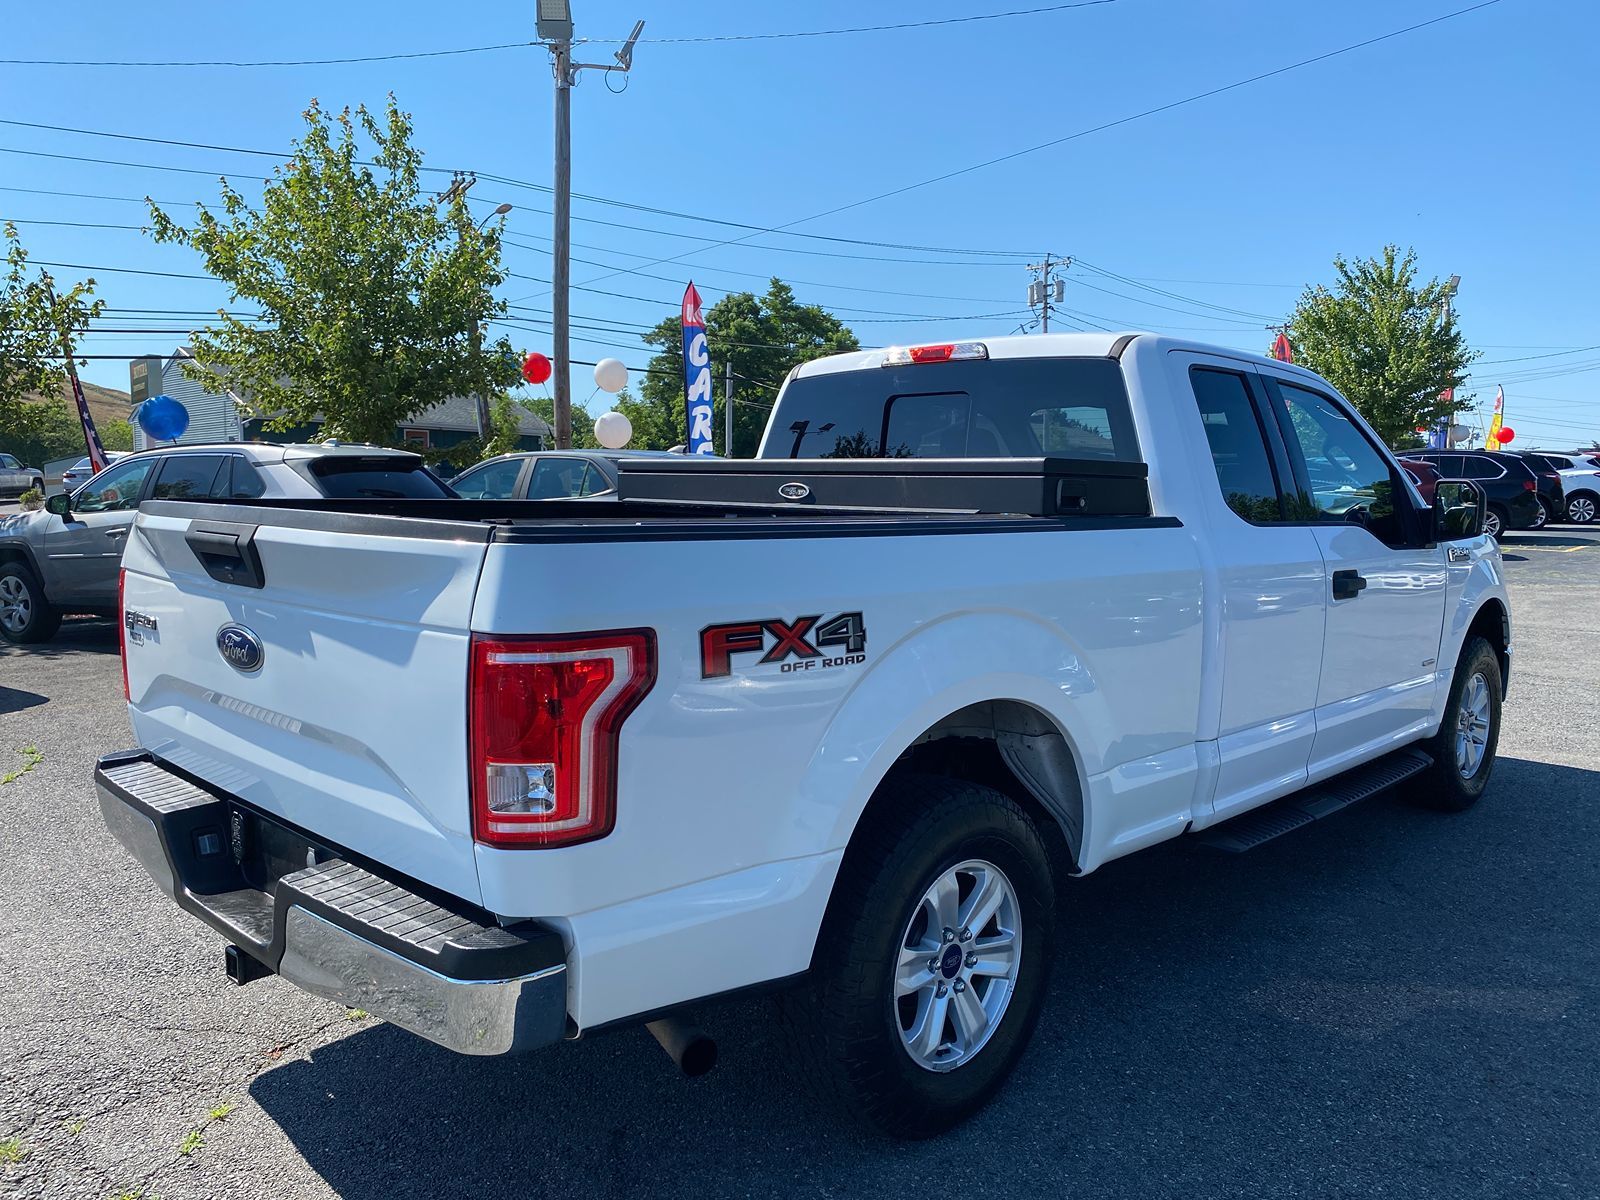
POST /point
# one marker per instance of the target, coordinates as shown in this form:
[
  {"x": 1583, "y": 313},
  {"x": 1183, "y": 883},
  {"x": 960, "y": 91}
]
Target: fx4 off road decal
[{"x": 799, "y": 645}]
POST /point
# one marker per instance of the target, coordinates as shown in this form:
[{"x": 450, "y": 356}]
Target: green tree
[
  {"x": 371, "y": 295},
  {"x": 1383, "y": 339},
  {"x": 38, "y": 328},
  {"x": 762, "y": 337},
  {"x": 582, "y": 421}
]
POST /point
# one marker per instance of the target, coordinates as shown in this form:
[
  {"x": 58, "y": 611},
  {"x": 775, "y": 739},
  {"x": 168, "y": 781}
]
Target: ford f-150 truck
[{"x": 981, "y": 617}]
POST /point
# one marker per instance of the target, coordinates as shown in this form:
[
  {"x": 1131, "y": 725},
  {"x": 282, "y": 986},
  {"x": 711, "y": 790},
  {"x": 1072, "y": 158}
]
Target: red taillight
[
  {"x": 1529, "y": 485},
  {"x": 545, "y": 716},
  {"x": 901, "y": 356},
  {"x": 122, "y": 629}
]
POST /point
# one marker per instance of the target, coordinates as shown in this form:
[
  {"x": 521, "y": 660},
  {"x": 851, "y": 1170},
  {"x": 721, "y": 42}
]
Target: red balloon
[
  {"x": 1506, "y": 435},
  {"x": 536, "y": 368}
]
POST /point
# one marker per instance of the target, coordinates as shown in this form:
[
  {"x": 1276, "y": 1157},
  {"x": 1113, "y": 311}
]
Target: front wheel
[
  {"x": 1581, "y": 509},
  {"x": 932, "y": 963},
  {"x": 1494, "y": 521},
  {"x": 1464, "y": 748},
  {"x": 25, "y": 614}
]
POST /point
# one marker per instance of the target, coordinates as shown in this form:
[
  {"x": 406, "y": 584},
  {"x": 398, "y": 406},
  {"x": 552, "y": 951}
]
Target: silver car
[
  {"x": 82, "y": 471},
  {"x": 16, "y": 478}
]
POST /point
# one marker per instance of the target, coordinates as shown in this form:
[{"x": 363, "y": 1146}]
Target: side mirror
[
  {"x": 1459, "y": 509},
  {"x": 60, "y": 504}
]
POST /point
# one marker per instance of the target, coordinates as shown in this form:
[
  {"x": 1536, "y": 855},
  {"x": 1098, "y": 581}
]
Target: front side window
[
  {"x": 9, "y": 462},
  {"x": 115, "y": 489},
  {"x": 491, "y": 481},
  {"x": 1238, "y": 444},
  {"x": 1349, "y": 480}
]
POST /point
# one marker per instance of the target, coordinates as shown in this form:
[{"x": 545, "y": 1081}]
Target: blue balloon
[{"x": 163, "y": 418}]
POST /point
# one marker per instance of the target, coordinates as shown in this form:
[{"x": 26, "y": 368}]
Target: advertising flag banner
[
  {"x": 696, "y": 374},
  {"x": 91, "y": 435},
  {"x": 1282, "y": 350},
  {"x": 1491, "y": 441}
]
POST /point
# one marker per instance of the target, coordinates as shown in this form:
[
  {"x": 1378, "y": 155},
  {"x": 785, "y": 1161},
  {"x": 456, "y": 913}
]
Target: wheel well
[
  {"x": 11, "y": 554},
  {"x": 1490, "y": 623},
  {"x": 1015, "y": 749}
]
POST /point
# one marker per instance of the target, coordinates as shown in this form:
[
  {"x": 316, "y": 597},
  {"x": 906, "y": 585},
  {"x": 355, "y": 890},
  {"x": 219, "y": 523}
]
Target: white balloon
[
  {"x": 611, "y": 429},
  {"x": 610, "y": 375}
]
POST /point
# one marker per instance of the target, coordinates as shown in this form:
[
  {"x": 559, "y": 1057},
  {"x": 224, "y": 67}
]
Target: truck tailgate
[{"x": 351, "y": 721}]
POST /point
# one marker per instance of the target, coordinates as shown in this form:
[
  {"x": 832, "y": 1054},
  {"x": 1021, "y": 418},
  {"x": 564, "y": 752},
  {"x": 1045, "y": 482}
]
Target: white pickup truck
[{"x": 983, "y": 616}]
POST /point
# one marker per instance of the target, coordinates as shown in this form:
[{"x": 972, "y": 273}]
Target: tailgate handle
[{"x": 227, "y": 552}]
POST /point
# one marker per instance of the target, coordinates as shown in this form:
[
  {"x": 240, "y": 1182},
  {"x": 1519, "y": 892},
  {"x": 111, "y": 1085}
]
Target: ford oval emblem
[
  {"x": 794, "y": 491},
  {"x": 240, "y": 648}
]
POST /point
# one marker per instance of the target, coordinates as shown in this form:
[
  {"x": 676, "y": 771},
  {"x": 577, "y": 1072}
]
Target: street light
[
  {"x": 501, "y": 211},
  {"x": 553, "y": 20}
]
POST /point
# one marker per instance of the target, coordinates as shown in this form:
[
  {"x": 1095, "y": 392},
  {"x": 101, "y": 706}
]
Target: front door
[
  {"x": 84, "y": 548},
  {"x": 1385, "y": 582}
]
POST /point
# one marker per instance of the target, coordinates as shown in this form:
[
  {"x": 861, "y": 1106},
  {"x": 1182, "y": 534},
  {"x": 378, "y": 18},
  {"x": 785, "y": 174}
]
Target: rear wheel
[
  {"x": 1542, "y": 517},
  {"x": 1581, "y": 508},
  {"x": 931, "y": 967},
  {"x": 1464, "y": 748},
  {"x": 25, "y": 615},
  {"x": 1495, "y": 521}
]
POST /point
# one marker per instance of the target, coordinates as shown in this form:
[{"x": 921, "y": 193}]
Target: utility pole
[
  {"x": 727, "y": 408},
  {"x": 1047, "y": 288},
  {"x": 1448, "y": 394},
  {"x": 554, "y": 25}
]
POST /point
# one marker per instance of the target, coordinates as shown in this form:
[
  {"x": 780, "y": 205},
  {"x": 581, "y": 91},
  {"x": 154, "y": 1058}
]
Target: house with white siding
[{"x": 216, "y": 414}]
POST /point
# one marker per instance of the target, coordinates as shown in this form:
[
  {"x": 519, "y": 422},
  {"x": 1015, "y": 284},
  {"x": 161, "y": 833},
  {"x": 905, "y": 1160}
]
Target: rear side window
[
  {"x": 189, "y": 477},
  {"x": 1002, "y": 408},
  {"x": 389, "y": 477},
  {"x": 1238, "y": 444},
  {"x": 556, "y": 478},
  {"x": 1479, "y": 467},
  {"x": 245, "y": 482}
]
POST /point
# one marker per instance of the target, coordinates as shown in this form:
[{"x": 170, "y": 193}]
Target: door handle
[
  {"x": 121, "y": 531},
  {"x": 1347, "y": 585}
]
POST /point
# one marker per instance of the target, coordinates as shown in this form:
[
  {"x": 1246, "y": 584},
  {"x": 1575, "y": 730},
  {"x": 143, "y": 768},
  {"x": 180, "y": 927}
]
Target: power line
[
  {"x": 1138, "y": 116},
  {"x": 288, "y": 62}
]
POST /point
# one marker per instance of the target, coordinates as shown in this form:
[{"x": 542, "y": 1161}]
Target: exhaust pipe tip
[{"x": 693, "y": 1051}]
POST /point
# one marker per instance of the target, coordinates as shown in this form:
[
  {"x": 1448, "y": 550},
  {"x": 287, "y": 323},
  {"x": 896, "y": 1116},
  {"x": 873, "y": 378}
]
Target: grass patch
[
  {"x": 192, "y": 1141},
  {"x": 31, "y": 758},
  {"x": 75, "y": 1126},
  {"x": 356, "y": 1014},
  {"x": 12, "y": 1150},
  {"x": 221, "y": 1111}
]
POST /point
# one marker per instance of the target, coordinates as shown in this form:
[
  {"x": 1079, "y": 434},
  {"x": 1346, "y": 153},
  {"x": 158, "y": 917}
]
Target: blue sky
[{"x": 1471, "y": 140}]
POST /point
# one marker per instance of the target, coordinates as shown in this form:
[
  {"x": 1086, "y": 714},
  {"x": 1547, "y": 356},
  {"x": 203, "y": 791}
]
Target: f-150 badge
[{"x": 798, "y": 645}]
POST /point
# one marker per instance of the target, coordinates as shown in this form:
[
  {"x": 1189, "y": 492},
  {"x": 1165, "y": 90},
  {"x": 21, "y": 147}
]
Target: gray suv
[
  {"x": 65, "y": 558},
  {"x": 16, "y": 478}
]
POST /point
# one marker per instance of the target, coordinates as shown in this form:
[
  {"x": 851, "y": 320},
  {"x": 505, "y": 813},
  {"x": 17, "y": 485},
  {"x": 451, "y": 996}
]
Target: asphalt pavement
[{"x": 1388, "y": 1003}]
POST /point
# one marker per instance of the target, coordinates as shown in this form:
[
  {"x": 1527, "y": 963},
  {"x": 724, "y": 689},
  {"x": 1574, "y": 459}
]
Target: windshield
[{"x": 1006, "y": 408}]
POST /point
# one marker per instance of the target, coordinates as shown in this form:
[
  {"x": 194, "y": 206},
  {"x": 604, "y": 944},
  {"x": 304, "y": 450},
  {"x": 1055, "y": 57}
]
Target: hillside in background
[{"x": 105, "y": 404}]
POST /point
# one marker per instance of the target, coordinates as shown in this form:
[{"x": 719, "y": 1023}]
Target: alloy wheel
[
  {"x": 16, "y": 604},
  {"x": 957, "y": 966},
  {"x": 1472, "y": 726},
  {"x": 1581, "y": 510}
]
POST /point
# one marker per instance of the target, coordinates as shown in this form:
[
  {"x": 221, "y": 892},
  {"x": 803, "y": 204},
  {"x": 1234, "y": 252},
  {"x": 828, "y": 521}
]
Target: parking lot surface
[{"x": 1388, "y": 1003}]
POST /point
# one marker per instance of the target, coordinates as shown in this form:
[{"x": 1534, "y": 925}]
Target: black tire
[
  {"x": 41, "y": 618},
  {"x": 1498, "y": 513},
  {"x": 1446, "y": 786},
  {"x": 920, "y": 828},
  {"x": 1543, "y": 518}
]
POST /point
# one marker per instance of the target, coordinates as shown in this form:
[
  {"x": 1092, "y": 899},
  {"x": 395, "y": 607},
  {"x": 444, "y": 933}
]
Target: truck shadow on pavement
[
  {"x": 78, "y": 635},
  {"x": 1390, "y": 995}
]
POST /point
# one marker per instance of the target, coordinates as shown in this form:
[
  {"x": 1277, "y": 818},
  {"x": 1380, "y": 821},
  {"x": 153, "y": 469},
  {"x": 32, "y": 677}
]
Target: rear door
[
  {"x": 352, "y": 723},
  {"x": 1385, "y": 583},
  {"x": 1270, "y": 584}
]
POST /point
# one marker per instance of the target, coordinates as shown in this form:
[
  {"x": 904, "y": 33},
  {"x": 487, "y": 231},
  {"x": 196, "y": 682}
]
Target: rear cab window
[
  {"x": 989, "y": 408},
  {"x": 385, "y": 476}
]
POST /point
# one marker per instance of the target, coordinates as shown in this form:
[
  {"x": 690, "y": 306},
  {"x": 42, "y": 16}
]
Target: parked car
[
  {"x": 1424, "y": 475},
  {"x": 1509, "y": 482},
  {"x": 1580, "y": 481},
  {"x": 516, "y": 773},
  {"x": 547, "y": 474},
  {"x": 82, "y": 471},
  {"x": 16, "y": 478},
  {"x": 1552, "y": 494},
  {"x": 64, "y": 558}
]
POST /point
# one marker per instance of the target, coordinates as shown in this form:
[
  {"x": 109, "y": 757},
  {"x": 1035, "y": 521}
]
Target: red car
[{"x": 1424, "y": 475}]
